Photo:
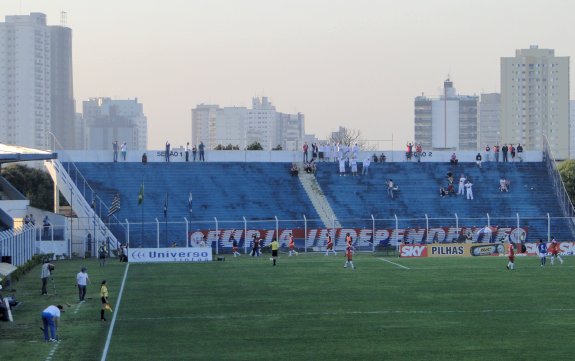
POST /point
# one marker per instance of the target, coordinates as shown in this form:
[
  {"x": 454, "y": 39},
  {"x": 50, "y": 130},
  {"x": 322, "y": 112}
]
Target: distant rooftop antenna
[{"x": 63, "y": 18}]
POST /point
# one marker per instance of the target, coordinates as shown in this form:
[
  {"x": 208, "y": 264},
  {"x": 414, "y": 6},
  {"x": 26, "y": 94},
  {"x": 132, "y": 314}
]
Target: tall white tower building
[
  {"x": 36, "y": 92},
  {"x": 449, "y": 122},
  {"x": 535, "y": 100}
]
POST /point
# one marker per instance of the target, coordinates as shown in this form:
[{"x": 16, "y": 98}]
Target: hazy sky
[{"x": 356, "y": 63}]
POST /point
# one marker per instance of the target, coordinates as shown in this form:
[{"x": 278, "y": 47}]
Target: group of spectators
[
  {"x": 506, "y": 151},
  {"x": 413, "y": 150},
  {"x": 123, "y": 148},
  {"x": 465, "y": 187}
]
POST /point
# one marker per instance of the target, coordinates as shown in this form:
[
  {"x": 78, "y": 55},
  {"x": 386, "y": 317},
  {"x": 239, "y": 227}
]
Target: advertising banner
[
  {"x": 565, "y": 248},
  {"x": 452, "y": 250},
  {"x": 154, "y": 255}
]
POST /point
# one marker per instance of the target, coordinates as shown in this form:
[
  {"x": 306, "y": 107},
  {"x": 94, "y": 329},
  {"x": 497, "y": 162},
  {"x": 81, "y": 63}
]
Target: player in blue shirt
[{"x": 542, "y": 249}]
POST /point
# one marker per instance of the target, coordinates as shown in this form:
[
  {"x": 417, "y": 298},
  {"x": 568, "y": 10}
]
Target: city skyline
[{"x": 340, "y": 63}]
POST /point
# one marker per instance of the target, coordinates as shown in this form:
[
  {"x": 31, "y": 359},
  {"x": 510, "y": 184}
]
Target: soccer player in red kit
[
  {"x": 349, "y": 257},
  {"x": 554, "y": 250},
  {"x": 292, "y": 250},
  {"x": 348, "y": 239},
  {"x": 511, "y": 256},
  {"x": 329, "y": 246}
]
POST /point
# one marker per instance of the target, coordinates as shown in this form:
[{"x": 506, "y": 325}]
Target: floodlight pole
[
  {"x": 457, "y": 224},
  {"x": 488, "y": 220},
  {"x": 427, "y": 229},
  {"x": 548, "y": 227},
  {"x": 517, "y": 224},
  {"x": 305, "y": 233},
  {"x": 397, "y": 234},
  {"x": 128, "y": 233}
]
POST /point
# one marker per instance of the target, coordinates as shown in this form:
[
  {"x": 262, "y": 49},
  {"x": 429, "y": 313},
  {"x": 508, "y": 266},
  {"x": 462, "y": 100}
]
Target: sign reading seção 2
[{"x": 151, "y": 255}]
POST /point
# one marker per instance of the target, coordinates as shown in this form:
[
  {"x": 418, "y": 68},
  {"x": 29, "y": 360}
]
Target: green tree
[
  {"x": 567, "y": 171},
  {"x": 34, "y": 184},
  {"x": 255, "y": 146},
  {"x": 279, "y": 147}
]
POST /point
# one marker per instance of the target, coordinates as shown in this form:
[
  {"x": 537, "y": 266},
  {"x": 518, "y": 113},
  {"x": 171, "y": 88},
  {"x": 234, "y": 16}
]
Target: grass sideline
[{"x": 310, "y": 308}]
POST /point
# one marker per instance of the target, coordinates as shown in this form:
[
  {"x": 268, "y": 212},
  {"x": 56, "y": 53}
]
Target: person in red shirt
[
  {"x": 554, "y": 250},
  {"x": 511, "y": 256},
  {"x": 349, "y": 257},
  {"x": 329, "y": 246},
  {"x": 292, "y": 250},
  {"x": 348, "y": 240}
]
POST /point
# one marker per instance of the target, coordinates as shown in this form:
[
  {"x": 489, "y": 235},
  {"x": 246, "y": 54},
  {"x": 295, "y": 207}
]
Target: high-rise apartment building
[
  {"x": 535, "y": 100},
  {"x": 240, "y": 126},
  {"x": 489, "y": 119},
  {"x": 36, "y": 92},
  {"x": 447, "y": 122},
  {"x": 109, "y": 120}
]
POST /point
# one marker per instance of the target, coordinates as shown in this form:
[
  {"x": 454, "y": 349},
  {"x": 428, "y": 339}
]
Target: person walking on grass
[
  {"x": 329, "y": 246},
  {"x": 235, "y": 247},
  {"x": 554, "y": 250},
  {"x": 511, "y": 256},
  {"x": 275, "y": 246},
  {"x": 50, "y": 322},
  {"x": 542, "y": 250},
  {"x": 82, "y": 281},
  {"x": 47, "y": 268},
  {"x": 104, "y": 299},
  {"x": 292, "y": 250},
  {"x": 349, "y": 257}
]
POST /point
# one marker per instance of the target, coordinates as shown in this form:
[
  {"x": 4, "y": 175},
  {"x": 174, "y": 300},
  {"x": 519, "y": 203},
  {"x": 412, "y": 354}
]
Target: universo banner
[{"x": 152, "y": 255}]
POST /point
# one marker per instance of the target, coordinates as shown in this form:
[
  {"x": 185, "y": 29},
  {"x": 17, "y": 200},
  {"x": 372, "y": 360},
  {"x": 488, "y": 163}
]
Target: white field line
[
  {"x": 343, "y": 313},
  {"x": 117, "y": 307},
  {"x": 52, "y": 351},
  {"x": 393, "y": 263},
  {"x": 77, "y": 308}
]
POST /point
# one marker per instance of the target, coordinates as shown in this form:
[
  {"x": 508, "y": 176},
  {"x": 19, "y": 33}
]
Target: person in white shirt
[
  {"x": 82, "y": 281},
  {"x": 366, "y": 164},
  {"x": 468, "y": 186},
  {"x": 44, "y": 274},
  {"x": 461, "y": 188},
  {"x": 353, "y": 164},
  {"x": 50, "y": 321},
  {"x": 341, "y": 166}
]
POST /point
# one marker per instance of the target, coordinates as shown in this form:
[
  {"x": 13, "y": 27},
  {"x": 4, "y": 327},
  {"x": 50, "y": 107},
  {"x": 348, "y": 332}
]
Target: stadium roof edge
[{"x": 14, "y": 153}]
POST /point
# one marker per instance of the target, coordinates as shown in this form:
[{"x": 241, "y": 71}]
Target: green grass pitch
[{"x": 307, "y": 308}]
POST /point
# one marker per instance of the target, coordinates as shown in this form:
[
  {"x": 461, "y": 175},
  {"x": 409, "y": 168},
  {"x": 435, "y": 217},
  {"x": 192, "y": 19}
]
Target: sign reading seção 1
[{"x": 151, "y": 255}]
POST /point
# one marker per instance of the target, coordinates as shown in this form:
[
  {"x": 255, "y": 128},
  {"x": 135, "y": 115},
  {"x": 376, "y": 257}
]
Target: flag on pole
[
  {"x": 141, "y": 194},
  {"x": 190, "y": 202},
  {"x": 115, "y": 208},
  {"x": 166, "y": 207}
]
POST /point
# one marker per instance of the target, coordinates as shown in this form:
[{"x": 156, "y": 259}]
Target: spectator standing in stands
[
  {"x": 82, "y": 281},
  {"x": 201, "y": 149},
  {"x": 50, "y": 322},
  {"x": 512, "y": 151},
  {"x": 453, "y": 159},
  {"x": 46, "y": 271},
  {"x": 168, "y": 151},
  {"x": 461, "y": 188},
  {"x": 408, "y": 151},
  {"x": 390, "y": 187},
  {"x": 305, "y": 151},
  {"x": 353, "y": 164},
  {"x": 46, "y": 227},
  {"x": 329, "y": 246},
  {"x": 478, "y": 159},
  {"x": 291, "y": 246},
  {"x": 469, "y": 188},
  {"x": 520, "y": 152},
  {"x": 542, "y": 250},
  {"x": 115, "y": 148},
  {"x": 144, "y": 159},
  {"x": 504, "y": 151},
  {"x": 124, "y": 150},
  {"x": 554, "y": 250},
  {"x": 187, "y": 151},
  {"x": 496, "y": 153},
  {"x": 341, "y": 166},
  {"x": 194, "y": 152},
  {"x": 487, "y": 150},
  {"x": 418, "y": 151},
  {"x": 511, "y": 256},
  {"x": 366, "y": 163}
]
